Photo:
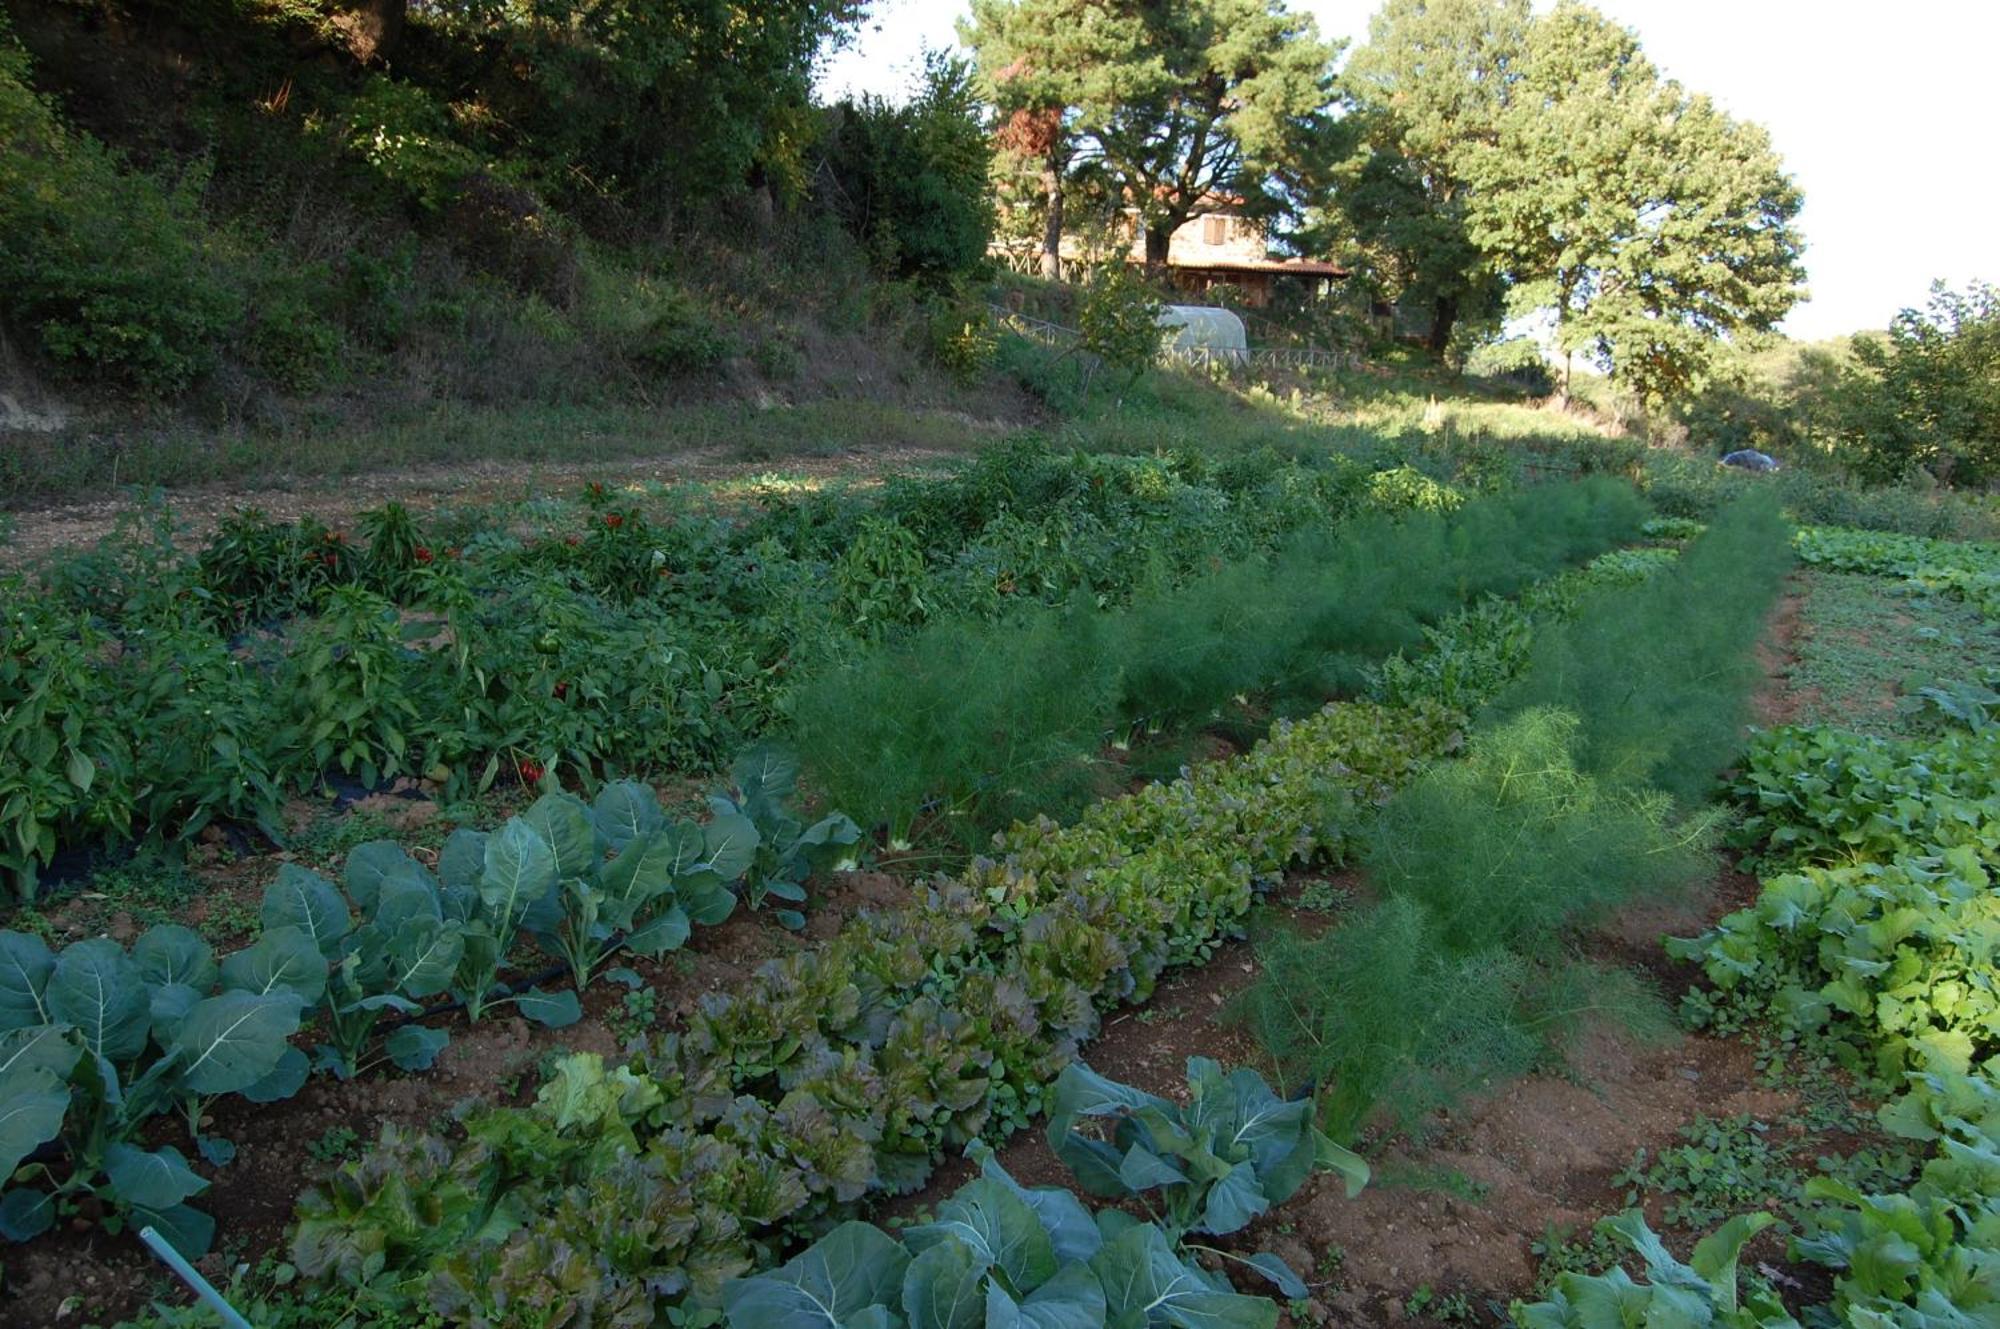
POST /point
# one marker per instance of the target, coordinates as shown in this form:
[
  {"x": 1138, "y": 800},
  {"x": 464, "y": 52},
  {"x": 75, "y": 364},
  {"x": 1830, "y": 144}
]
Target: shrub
[
  {"x": 910, "y": 181},
  {"x": 1119, "y": 322},
  {"x": 105, "y": 267}
]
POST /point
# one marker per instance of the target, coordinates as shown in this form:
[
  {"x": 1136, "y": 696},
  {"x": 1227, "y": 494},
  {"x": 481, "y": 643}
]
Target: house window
[{"x": 1214, "y": 230}]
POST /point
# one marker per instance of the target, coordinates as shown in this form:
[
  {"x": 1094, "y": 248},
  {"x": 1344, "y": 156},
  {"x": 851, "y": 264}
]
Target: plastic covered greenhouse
[{"x": 1205, "y": 331}]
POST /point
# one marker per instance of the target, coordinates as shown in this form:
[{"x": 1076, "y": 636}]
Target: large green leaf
[
  {"x": 187, "y": 1230},
  {"x": 370, "y": 866},
  {"x": 565, "y": 826},
  {"x": 96, "y": 987},
  {"x": 26, "y": 1213},
  {"x": 643, "y": 871},
  {"x": 155, "y": 1179},
  {"x": 625, "y": 811},
  {"x": 462, "y": 861},
  {"x": 1073, "y": 1233},
  {"x": 424, "y": 955},
  {"x": 228, "y": 1043},
  {"x": 1073, "y": 1299},
  {"x": 283, "y": 1080},
  {"x": 171, "y": 953},
  {"x": 1081, "y": 1092},
  {"x": 1145, "y": 1282},
  {"x": 852, "y": 1268},
  {"x": 167, "y": 1005},
  {"x": 415, "y": 1047},
  {"x": 729, "y": 846},
  {"x": 767, "y": 775},
  {"x": 32, "y": 1104},
  {"x": 403, "y": 901},
  {"x": 1234, "y": 1201},
  {"x": 997, "y": 1226},
  {"x": 667, "y": 930},
  {"x": 1715, "y": 1255},
  {"x": 551, "y": 1010},
  {"x": 284, "y": 959},
  {"x": 945, "y": 1288},
  {"x": 46, "y": 1047},
  {"x": 520, "y": 870},
  {"x": 25, "y": 966},
  {"x": 309, "y": 902}
]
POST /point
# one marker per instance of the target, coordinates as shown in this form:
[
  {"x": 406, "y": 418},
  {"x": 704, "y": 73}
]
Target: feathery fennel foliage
[
  {"x": 979, "y": 722},
  {"x": 1572, "y": 798}
]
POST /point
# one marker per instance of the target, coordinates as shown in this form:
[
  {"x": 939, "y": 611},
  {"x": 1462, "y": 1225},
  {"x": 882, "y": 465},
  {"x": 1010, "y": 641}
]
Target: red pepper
[
  {"x": 423, "y": 554},
  {"x": 531, "y": 772},
  {"x": 613, "y": 520},
  {"x": 562, "y": 690}
]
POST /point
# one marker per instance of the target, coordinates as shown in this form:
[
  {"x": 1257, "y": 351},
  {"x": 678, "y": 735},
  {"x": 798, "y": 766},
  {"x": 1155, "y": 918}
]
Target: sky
[{"x": 1885, "y": 112}]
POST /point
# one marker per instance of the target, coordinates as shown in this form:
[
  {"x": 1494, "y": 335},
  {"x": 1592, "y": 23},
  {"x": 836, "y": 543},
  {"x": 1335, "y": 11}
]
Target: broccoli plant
[
  {"x": 759, "y": 811},
  {"x": 95, "y": 1041},
  {"x": 1212, "y": 1166}
]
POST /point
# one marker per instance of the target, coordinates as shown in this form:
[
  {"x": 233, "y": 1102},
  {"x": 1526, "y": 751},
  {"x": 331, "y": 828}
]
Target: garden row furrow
[{"x": 844, "y": 1072}]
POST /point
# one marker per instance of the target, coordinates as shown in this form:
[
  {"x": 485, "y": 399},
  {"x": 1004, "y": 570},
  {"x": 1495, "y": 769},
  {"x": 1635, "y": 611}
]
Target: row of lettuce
[
  {"x": 845, "y": 1072},
  {"x": 620, "y": 635},
  {"x": 96, "y": 1043},
  {"x": 1875, "y": 936}
]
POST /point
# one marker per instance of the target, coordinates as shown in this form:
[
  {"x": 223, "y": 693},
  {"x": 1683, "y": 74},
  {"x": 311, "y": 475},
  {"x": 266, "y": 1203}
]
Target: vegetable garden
[{"x": 662, "y": 731}]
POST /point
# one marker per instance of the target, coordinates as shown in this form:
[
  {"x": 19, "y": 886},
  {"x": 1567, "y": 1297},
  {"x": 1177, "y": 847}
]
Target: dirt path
[{"x": 39, "y": 530}]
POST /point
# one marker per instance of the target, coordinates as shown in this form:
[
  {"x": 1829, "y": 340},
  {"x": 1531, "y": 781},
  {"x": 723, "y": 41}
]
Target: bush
[
  {"x": 1119, "y": 322},
  {"x": 910, "y": 181},
  {"x": 1928, "y": 395},
  {"x": 105, "y": 268}
]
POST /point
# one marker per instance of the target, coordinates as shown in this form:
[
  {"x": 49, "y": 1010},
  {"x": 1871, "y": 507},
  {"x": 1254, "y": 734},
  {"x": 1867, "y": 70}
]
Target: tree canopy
[
  {"x": 1180, "y": 109},
  {"x": 1650, "y": 223},
  {"x": 1426, "y": 89}
]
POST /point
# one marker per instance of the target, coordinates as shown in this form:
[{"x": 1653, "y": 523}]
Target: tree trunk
[
  {"x": 1444, "y": 315},
  {"x": 1052, "y": 228},
  {"x": 1159, "y": 240}
]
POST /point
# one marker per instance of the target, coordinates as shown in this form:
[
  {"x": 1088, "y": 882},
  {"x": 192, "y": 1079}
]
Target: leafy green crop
[
  {"x": 95, "y": 1041},
  {"x": 845, "y": 1070},
  {"x": 1823, "y": 796},
  {"x": 1700, "y": 1293},
  {"x": 764, "y": 790},
  {"x": 1210, "y": 1167},
  {"x": 997, "y": 1253}
]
